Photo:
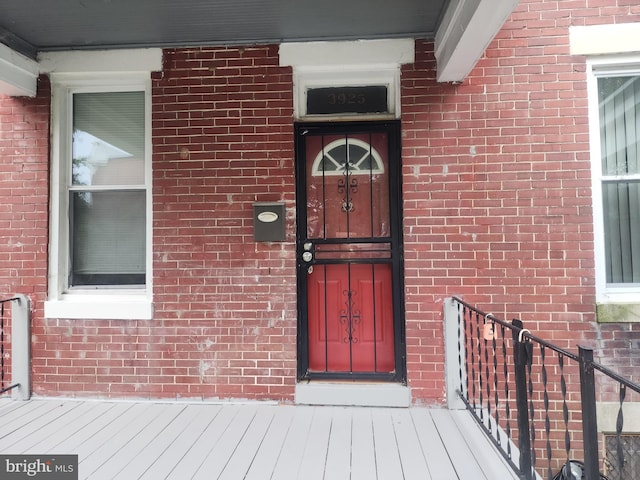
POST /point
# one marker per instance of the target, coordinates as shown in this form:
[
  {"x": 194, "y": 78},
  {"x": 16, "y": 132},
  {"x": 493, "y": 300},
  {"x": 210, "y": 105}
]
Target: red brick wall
[
  {"x": 497, "y": 185},
  {"x": 497, "y": 210},
  {"x": 223, "y": 139},
  {"x": 24, "y": 188},
  {"x": 225, "y": 316},
  {"x": 24, "y": 208}
]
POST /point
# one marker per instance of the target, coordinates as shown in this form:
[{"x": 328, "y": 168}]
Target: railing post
[
  {"x": 454, "y": 354},
  {"x": 524, "y": 439},
  {"x": 589, "y": 417},
  {"x": 21, "y": 347}
]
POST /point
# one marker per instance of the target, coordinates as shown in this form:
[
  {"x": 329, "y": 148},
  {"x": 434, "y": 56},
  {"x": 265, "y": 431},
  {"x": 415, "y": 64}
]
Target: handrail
[
  {"x": 527, "y": 334},
  {"x": 7, "y": 300},
  {"x": 519, "y": 330},
  {"x": 520, "y": 364}
]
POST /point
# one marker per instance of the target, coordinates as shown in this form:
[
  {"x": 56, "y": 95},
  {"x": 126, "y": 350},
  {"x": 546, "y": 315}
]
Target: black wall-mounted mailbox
[{"x": 268, "y": 222}]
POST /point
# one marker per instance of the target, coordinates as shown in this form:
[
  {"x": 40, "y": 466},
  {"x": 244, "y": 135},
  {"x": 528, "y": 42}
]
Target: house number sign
[{"x": 336, "y": 100}]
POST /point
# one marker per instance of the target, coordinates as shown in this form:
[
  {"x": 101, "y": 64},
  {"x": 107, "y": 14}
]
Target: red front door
[
  {"x": 350, "y": 315},
  {"x": 348, "y": 248}
]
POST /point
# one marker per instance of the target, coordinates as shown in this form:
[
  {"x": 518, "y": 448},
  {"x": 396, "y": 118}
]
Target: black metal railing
[
  {"x": 3, "y": 363},
  {"x": 535, "y": 400}
]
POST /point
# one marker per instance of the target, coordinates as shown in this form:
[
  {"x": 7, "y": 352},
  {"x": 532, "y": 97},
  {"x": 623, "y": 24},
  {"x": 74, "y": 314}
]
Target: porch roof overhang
[{"x": 461, "y": 29}]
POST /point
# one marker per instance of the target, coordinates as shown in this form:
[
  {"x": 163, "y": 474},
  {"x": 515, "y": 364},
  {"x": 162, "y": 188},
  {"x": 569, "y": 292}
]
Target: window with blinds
[
  {"x": 619, "y": 119},
  {"x": 107, "y": 193}
]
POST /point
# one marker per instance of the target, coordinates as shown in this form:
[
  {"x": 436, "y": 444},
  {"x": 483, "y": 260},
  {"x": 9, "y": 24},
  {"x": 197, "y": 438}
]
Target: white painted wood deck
[{"x": 253, "y": 441}]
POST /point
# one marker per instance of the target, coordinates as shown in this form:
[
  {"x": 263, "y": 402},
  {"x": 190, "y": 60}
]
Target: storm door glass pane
[
  {"x": 347, "y": 187},
  {"x": 619, "y": 103}
]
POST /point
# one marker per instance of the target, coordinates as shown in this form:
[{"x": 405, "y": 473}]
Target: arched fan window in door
[{"x": 347, "y": 155}]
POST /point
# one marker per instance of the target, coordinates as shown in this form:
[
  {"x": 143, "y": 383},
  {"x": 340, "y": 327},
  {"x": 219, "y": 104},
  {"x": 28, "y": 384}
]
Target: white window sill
[
  {"x": 619, "y": 295},
  {"x": 103, "y": 307}
]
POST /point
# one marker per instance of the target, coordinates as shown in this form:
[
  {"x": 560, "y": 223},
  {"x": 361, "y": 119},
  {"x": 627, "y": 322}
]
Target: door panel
[
  {"x": 349, "y": 251},
  {"x": 350, "y": 318}
]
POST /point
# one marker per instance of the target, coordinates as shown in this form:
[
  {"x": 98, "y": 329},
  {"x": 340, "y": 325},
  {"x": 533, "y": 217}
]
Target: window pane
[
  {"x": 619, "y": 124},
  {"x": 108, "y": 238},
  {"x": 108, "y": 138},
  {"x": 622, "y": 231},
  {"x": 619, "y": 103}
]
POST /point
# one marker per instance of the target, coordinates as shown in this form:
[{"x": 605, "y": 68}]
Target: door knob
[{"x": 307, "y": 256}]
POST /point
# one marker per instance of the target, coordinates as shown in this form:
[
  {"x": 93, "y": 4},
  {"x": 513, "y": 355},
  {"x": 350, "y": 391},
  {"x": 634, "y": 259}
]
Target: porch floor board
[{"x": 130, "y": 440}]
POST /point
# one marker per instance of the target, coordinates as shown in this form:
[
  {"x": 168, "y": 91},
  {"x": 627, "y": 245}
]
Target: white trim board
[
  {"x": 466, "y": 29},
  {"x": 353, "y": 394},
  {"x": 366, "y": 53},
  {"x": 98, "y": 61},
  {"x": 18, "y": 74},
  {"x": 604, "y": 39}
]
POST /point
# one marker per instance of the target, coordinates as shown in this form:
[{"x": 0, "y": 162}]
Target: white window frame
[
  {"x": 134, "y": 303},
  {"x": 605, "y": 66}
]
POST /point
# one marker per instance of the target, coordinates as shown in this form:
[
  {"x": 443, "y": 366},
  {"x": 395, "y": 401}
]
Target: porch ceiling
[
  {"x": 29, "y": 26},
  {"x": 461, "y": 28}
]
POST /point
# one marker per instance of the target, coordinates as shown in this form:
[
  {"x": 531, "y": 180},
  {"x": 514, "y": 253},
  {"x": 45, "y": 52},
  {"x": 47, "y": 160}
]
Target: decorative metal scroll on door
[
  {"x": 350, "y": 317},
  {"x": 348, "y": 157},
  {"x": 351, "y": 189}
]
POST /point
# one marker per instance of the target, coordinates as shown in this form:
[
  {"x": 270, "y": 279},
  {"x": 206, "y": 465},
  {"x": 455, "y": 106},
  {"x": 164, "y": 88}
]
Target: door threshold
[{"x": 361, "y": 394}]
